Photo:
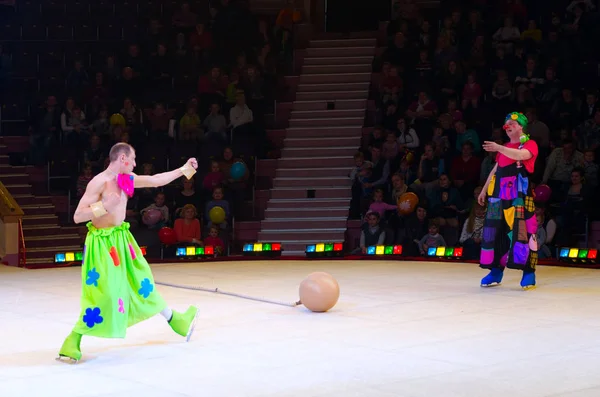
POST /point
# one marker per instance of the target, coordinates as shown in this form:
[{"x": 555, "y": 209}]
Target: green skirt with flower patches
[{"x": 118, "y": 288}]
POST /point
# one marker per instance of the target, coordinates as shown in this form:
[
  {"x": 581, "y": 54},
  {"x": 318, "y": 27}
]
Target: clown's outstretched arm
[{"x": 515, "y": 154}]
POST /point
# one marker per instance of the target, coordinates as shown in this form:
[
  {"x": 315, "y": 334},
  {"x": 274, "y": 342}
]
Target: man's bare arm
[
  {"x": 84, "y": 212},
  {"x": 164, "y": 178}
]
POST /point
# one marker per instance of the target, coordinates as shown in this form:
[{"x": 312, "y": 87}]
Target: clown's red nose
[{"x": 505, "y": 127}]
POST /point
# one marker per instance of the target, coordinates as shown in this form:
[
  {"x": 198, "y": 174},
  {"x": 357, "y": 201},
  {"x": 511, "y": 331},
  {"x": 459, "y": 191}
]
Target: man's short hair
[{"x": 118, "y": 149}]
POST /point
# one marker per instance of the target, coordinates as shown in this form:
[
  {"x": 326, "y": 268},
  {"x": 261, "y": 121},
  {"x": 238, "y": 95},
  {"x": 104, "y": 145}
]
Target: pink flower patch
[
  {"x": 132, "y": 251},
  {"x": 121, "y": 306}
]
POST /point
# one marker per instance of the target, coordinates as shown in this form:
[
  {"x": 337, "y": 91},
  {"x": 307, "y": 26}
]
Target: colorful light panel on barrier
[
  {"x": 193, "y": 251},
  {"x": 324, "y": 250},
  {"x": 445, "y": 252},
  {"x": 77, "y": 256},
  {"x": 379, "y": 250},
  {"x": 578, "y": 255},
  {"x": 262, "y": 249}
]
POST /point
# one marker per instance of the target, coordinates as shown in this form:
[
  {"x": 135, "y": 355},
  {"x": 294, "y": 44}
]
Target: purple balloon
[{"x": 542, "y": 193}]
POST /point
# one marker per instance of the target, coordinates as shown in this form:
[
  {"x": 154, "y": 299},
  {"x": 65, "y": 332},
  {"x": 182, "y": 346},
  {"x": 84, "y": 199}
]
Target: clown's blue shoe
[
  {"x": 493, "y": 278},
  {"x": 528, "y": 281}
]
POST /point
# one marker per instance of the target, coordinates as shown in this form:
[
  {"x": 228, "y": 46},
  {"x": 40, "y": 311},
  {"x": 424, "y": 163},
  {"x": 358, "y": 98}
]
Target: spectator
[
  {"x": 187, "y": 227},
  {"x": 431, "y": 240}
]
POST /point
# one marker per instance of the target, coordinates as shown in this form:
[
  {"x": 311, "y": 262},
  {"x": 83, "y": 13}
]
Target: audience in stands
[{"x": 442, "y": 92}]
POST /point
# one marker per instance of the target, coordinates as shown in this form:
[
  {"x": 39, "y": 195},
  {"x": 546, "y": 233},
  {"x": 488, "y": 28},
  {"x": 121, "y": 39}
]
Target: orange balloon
[
  {"x": 319, "y": 292},
  {"x": 407, "y": 203}
]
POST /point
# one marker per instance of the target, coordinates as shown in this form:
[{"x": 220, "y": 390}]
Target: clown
[
  {"x": 508, "y": 238},
  {"x": 117, "y": 284}
]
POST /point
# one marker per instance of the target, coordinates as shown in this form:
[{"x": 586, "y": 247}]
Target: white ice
[{"x": 400, "y": 329}]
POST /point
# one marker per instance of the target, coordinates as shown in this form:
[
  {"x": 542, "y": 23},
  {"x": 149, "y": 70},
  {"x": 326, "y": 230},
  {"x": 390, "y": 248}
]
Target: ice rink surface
[{"x": 404, "y": 329}]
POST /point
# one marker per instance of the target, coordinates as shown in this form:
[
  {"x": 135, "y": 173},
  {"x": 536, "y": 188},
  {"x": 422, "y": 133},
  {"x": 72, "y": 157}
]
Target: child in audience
[
  {"x": 218, "y": 201},
  {"x": 471, "y": 92},
  {"x": 378, "y": 205},
  {"x": 432, "y": 239},
  {"x": 214, "y": 240},
  {"x": 359, "y": 161},
  {"x": 83, "y": 180},
  {"x": 390, "y": 146},
  {"x": 159, "y": 205},
  {"x": 372, "y": 233},
  {"x": 541, "y": 236},
  {"x": 470, "y": 237},
  {"x": 590, "y": 168},
  {"x": 214, "y": 178}
]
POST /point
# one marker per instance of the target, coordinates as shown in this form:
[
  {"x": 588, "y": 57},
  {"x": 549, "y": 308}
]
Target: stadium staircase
[
  {"x": 43, "y": 234},
  {"x": 311, "y": 192}
]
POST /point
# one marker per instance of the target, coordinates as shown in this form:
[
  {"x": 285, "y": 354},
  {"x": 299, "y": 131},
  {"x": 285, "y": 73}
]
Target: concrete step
[
  {"x": 303, "y": 192},
  {"x": 312, "y": 234},
  {"x": 303, "y": 223},
  {"x": 324, "y": 52},
  {"x": 51, "y": 240},
  {"x": 4, "y": 159},
  {"x": 316, "y": 212},
  {"x": 18, "y": 189},
  {"x": 308, "y": 162},
  {"x": 34, "y": 209},
  {"x": 334, "y": 78},
  {"x": 361, "y": 86},
  {"x": 331, "y": 95},
  {"x": 328, "y": 122},
  {"x": 334, "y": 151},
  {"x": 3, "y": 149},
  {"x": 349, "y": 141},
  {"x": 333, "y": 43},
  {"x": 48, "y": 252},
  {"x": 365, "y": 59},
  {"x": 29, "y": 199},
  {"x": 13, "y": 178},
  {"x": 324, "y": 132},
  {"x": 41, "y": 230},
  {"x": 292, "y": 204},
  {"x": 317, "y": 114},
  {"x": 329, "y": 172},
  {"x": 331, "y": 69},
  {"x": 38, "y": 220},
  {"x": 322, "y": 104},
  {"x": 312, "y": 181}
]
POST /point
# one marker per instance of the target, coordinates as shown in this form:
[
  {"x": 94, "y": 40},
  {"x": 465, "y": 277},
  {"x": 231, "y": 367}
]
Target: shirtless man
[{"x": 117, "y": 284}]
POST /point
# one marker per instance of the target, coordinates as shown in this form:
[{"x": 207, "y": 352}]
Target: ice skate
[
  {"x": 528, "y": 281},
  {"x": 184, "y": 323},
  {"x": 70, "y": 349},
  {"x": 493, "y": 279}
]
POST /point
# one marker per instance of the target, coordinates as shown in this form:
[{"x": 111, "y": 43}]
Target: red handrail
[{"x": 22, "y": 251}]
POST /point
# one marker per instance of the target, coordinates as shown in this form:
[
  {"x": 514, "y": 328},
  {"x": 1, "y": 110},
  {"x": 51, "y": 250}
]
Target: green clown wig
[{"x": 521, "y": 119}]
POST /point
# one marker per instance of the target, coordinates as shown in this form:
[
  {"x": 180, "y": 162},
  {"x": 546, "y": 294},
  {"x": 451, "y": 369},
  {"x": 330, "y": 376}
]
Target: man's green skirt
[{"x": 118, "y": 288}]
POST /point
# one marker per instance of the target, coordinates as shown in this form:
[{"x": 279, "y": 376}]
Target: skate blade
[
  {"x": 192, "y": 327},
  {"x": 528, "y": 287},
  {"x": 490, "y": 285},
  {"x": 66, "y": 360}
]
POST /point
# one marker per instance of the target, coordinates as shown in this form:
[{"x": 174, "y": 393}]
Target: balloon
[
  {"x": 217, "y": 215},
  {"x": 238, "y": 170},
  {"x": 117, "y": 119},
  {"x": 542, "y": 193},
  {"x": 167, "y": 236},
  {"x": 151, "y": 217},
  {"x": 319, "y": 292},
  {"x": 407, "y": 203}
]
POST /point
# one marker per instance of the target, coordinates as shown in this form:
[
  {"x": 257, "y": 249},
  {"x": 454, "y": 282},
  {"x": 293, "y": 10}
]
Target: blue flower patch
[
  {"x": 147, "y": 288},
  {"x": 92, "y": 277},
  {"x": 92, "y": 317}
]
